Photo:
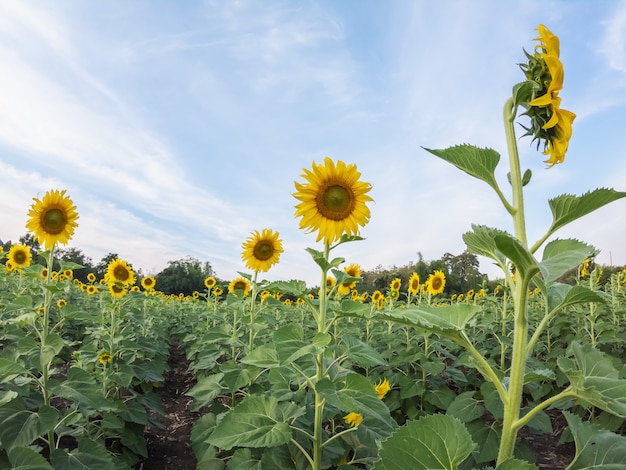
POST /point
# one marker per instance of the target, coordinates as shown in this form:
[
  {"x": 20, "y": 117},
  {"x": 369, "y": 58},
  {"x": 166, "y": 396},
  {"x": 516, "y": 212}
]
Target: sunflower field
[{"x": 285, "y": 378}]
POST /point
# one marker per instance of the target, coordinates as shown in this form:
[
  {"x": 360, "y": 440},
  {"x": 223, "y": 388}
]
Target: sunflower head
[
  {"x": 332, "y": 200},
  {"x": 210, "y": 282},
  {"x": 395, "y": 284},
  {"x": 105, "y": 357},
  {"x": 118, "y": 270},
  {"x": 52, "y": 219},
  {"x": 382, "y": 387},
  {"x": 353, "y": 270},
  {"x": 19, "y": 256},
  {"x": 239, "y": 284},
  {"x": 262, "y": 250},
  {"x": 436, "y": 282},
  {"x": 148, "y": 283},
  {"x": 117, "y": 289},
  {"x": 353, "y": 419},
  {"x": 550, "y": 124},
  {"x": 414, "y": 284}
]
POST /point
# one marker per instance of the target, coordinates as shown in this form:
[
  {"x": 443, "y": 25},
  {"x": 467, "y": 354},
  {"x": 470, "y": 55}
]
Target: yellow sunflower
[
  {"x": 104, "y": 357},
  {"x": 436, "y": 282},
  {"x": 395, "y": 284},
  {"x": 91, "y": 277},
  {"x": 240, "y": 283},
  {"x": 91, "y": 289},
  {"x": 19, "y": 256},
  {"x": 148, "y": 283},
  {"x": 118, "y": 270},
  {"x": 330, "y": 282},
  {"x": 61, "y": 303},
  {"x": 52, "y": 219},
  {"x": 376, "y": 295},
  {"x": 210, "y": 282},
  {"x": 414, "y": 284},
  {"x": 353, "y": 419},
  {"x": 382, "y": 387},
  {"x": 217, "y": 291},
  {"x": 262, "y": 250},
  {"x": 332, "y": 201},
  {"x": 117, "y": 289},
  {"x": 353, "y": 270}
]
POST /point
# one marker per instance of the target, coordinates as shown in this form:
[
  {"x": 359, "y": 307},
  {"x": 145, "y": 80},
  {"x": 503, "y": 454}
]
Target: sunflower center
[
  {"x": 120, "y": 273},
  {"x": 53, "y": 221},
  {"x": 415, "y": 284},
  {"x": 335, "y": 201},
  {"x": 263, "y": 250},
  {"x": 436, "y": 283},
  {"x": 20, "y": 257},
  {"x": 240, "y": 285}
]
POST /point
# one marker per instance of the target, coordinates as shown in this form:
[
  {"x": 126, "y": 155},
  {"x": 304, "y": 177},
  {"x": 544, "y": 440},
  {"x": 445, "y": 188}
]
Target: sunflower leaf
[
  {"x": 477, "y": 162},
  {"x": 523, "y": 259},
  {"x": 481, "y": 241},
  {"x": 566, "y": 208}
]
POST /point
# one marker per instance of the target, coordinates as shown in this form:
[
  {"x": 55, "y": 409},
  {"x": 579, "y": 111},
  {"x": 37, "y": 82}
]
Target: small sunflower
[
  {"x": 382, "y": 387},
  {"x": 19, "y": 256},
  {"x": 376, "y": 295},
  {"x": 91, "y": 289},
  {"x": 414, "y": 284},
  {"x": 52, "y": 219},
  {"x": 117, "y": 289},
  {"x": 240, "y": 283},
  {"x": 353, "y": 270},
  {"x": 44, "y": 273},
  {"x": 61, "y": 303},
  {"x": 210, "y": 282},
  {"x": 217, "y": 291},
  {"x": 68, "y": 273},
  {"x": 332, "y": 201},
  {"x": 148, "y": 283},
  {"x": 105, "y": 357},
  {"x": 436, "y": 282},
  {"x": 118, "y": 270},
  {"x": 353, "y": 419},
  {"x": 262, "y": 250},
  {"x": 330, "y": 282},
  {"x": 91, "y": 277},
  {"x": 470, "y": 294},
  {"x": 395, "y": 284}
]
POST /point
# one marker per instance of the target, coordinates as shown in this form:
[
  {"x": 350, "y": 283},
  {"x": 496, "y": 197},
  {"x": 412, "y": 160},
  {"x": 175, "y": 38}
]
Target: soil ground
[{"x": 169, "y": 448}]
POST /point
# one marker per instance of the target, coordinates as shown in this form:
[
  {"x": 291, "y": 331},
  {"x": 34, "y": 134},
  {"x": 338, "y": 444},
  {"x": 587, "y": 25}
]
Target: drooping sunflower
[
  {"x": 148, "y": 283},
  {"x": 118, "y": 270},
  {"x": 353, "y": 270},
  {"x": 333, "y": 200},
  {"x": 382, "y": 387},
  {"x": 19, "y": 256},
  {"x": 395, "y": 284},
  {"x": 436, "y": 282},
  {"x": 239, "y": 284},
  {"x": 353, "y": 419},
  {"x": 550, "y": 124},
  {"x": 52, "y": 219},
  {"x": 210, "y": 282},
  {"x": 414, "y": 284},
  {"x": 262, "y": 250}
]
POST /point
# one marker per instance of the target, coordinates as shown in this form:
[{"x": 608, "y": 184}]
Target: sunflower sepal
[{"x": 524, "y": 93}]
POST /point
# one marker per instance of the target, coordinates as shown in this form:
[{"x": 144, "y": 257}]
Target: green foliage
[{"x": 183, "y": 276}]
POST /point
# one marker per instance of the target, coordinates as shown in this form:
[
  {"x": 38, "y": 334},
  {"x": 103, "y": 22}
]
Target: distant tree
[
  {"x": 183, "y": 276},
  {"x": 35, "y": 248}
]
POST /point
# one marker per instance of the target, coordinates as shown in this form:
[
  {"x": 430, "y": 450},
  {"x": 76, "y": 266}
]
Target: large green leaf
[
  {"x": 82, "y": 388},
  {"x": 431, "y": 442},
  {"x": 20, "y": 427},
  {"x": 242, "y": 460},
  {"x": 567, "y": 208},
  {"x": 89, "y": 455},
  {"x": 564, "y": 295},
  {"x": 362, "y": 353},
  {"x": 521, "y": 257},
  {"x": 596, "y": 448},
  {"x": 561, "y": 256},
  {"x": 24, "y": 458},
  {"x": 481, "y": 241},
  {"x": 290, "y": 344},
  {"x": 594, "y": 379},
  {"x": 446, "y": 320},
  {"x": 295, "y": 288},
  {"x": 478, "y": 162},
  {"x": 356, "y": 394},
  {"x": 255, "y": 422},
  {"x": 264, "y": 356},
  {"x": 465, "y": 407}
]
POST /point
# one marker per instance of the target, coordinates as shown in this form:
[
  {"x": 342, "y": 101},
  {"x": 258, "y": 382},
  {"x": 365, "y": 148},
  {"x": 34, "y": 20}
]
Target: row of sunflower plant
[
  {"x": 79, "y": 361},
  {"x": 307, "y": 390}
]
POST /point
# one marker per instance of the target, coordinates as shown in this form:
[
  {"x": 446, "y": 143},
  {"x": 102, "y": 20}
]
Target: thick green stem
[
  {"x": 519, "y": 220},
  {"x": 319, "y": 364}
]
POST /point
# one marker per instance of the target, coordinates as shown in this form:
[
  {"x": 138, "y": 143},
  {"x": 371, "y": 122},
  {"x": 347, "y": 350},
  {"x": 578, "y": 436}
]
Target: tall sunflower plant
[
  {"x": 325, "y": 413},
  {"x": 592, "y": 377}
]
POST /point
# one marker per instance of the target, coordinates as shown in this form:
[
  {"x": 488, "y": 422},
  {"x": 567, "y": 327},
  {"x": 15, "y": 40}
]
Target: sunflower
[
  {"x": 52, "y": 219},
  {"x": 61, "y": 303},
  {"x": 118, "y": 270},
  {"x": 376, "y": 295},
  {"x": 549, "y": 123},
  {"x": 436, "y": 282},
  {"x": 104, "y": 357},
  {"x": 262, "y": 250},
  {"x": 414, "y": 284},
  {"x": 148, "y": 283},
  {"x": 382, "y": 387},
  {"x": 217, "y": 291},
  {"x": 240, "y": 283},
  {"x": 353, "y": 270},
  {"x": 91, "y": 277},
  {"x": 91, "y": 289},
  {"x": 332, "y": 201},
  {"x": 117, "y": 289},
  {"x": 470, "y": 294},
  {"x": 19, "y": 256},
  {"x": 210, "y": 282},
  {"x": 395, "y": 284},
  {"x": 330, "y": 282},
  {"x": 353, "y": 419}
]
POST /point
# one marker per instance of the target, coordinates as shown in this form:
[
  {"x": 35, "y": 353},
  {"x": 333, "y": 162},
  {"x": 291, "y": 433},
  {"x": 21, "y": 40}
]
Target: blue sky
[{"x": 180, "y": 127}]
